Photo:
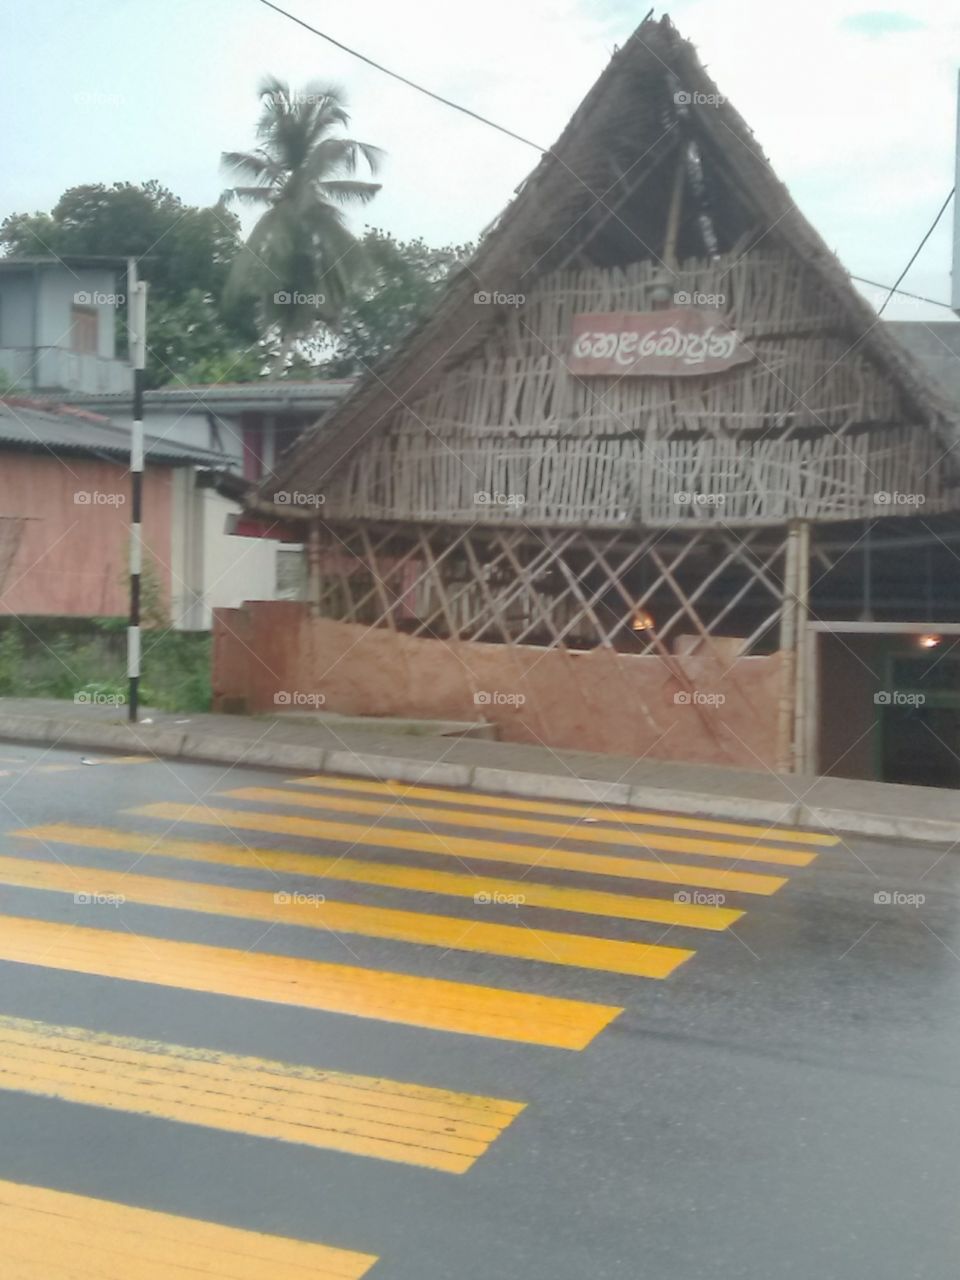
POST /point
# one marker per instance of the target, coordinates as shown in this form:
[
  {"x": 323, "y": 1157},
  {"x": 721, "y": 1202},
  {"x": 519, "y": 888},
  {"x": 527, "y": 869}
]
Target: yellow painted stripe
[
  {"x": 509, "y": 825},
  {"x": 450, "y": 883},
  {"x": 54, "y": 1235},
  {"x": 434, "y": 1003},
  {"x": 122, "y": 760},
  {"x": 601, "y": 811},
  {"x": 64, "y": 767},
  {"x": 452, "y": 933},
  {"x": 361, "y": 1115},
  {"x": 465, "y": 847}
]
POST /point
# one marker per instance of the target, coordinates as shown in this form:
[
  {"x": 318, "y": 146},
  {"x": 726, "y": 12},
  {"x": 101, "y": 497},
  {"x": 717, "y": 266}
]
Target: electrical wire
[{"x": 403, "y": 79}]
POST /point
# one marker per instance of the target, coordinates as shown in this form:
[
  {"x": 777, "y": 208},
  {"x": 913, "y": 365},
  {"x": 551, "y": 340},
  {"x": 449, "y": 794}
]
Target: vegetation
[
  {"x": 187, "y": 253},
  {"x": 399, "y": 285},
  {"x": 57, "y": 660},
  {"x": 300, "y": 258},
  {"x": 302, "y": 298}
]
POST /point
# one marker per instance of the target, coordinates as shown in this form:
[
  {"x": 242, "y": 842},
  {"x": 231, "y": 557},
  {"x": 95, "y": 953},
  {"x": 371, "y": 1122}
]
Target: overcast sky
[{"x": 855, "y": 105}]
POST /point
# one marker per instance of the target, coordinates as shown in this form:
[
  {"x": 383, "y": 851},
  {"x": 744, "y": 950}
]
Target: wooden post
[
  {"x": 314, "y": 575},
  {"x": 788, "y": 654},
  {"x": 673, "y": 213},
  {"x": 800, "y": 746},
  {"x": 380, "y": 587}
]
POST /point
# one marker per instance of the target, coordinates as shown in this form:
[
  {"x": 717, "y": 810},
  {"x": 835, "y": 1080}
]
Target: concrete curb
[{"x": 170, "y": 743}]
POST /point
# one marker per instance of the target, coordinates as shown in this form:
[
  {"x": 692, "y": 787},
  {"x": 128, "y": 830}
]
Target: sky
[{"x": 854, "y": 103}]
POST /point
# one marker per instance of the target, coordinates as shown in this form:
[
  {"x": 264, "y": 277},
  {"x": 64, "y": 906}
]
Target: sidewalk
[{"x": 827, "y": 804}]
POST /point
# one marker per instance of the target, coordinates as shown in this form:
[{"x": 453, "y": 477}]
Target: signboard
[{"x": 682, "y": 340}]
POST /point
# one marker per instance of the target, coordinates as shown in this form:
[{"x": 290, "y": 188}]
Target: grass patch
[{"x": 40, "y": 660}]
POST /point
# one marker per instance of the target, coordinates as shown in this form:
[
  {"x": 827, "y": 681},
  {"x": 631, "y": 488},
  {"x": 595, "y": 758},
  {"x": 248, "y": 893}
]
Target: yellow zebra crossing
[
  {"x": 467, "y": 848},
  {"x": 741, "y": 850},
  {"x": 593, "y": 902},
  {"x": 54, "y": 1235},
  {"x": 386, "y": 1119},
  {"x": 435, "y": 1004},
  {"x": 668, "y": 873},
  {"x": 596, "y": 812},
  {"x": 452, "y": 933}
]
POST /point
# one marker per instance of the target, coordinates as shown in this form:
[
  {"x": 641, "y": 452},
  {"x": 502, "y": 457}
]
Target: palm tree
[{"x": 300, "y": 257}]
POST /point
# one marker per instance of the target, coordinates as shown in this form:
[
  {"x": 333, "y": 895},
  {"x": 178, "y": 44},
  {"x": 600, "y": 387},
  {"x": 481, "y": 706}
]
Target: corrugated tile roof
[{"x": 47, "y": 427}]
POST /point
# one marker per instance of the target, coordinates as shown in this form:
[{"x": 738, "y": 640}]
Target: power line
[
  {"x": 918, "y": 297},
  {"x": 447, "y": 102},
  {"x": 403, "y": 79},
  {"x": 943, "y": 209}
]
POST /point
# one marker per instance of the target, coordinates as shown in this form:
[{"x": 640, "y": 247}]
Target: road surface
[{"x": 271, "y": 1027}]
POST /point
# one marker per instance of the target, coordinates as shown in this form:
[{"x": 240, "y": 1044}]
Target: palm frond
[
  {"x": 255, "y": 195},
  {"x": 300, "y": 258},
  {"x": 349, "y": 192},
  {"x": 246, "y": 164},
  {"x": 334, "y": 156}
]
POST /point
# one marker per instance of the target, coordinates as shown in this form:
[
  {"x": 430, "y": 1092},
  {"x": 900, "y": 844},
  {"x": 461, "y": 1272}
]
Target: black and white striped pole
[{"x": 137, "y": 317}]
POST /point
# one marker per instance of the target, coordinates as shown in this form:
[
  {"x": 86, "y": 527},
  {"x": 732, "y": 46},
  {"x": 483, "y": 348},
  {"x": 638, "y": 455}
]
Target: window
[
  {"x": 83, "y": 330},
  {"x": 291, "y": 570}
]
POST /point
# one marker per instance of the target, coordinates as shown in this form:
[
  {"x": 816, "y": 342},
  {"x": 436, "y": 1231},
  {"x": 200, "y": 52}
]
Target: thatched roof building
[{"x": 628, "y": 419}]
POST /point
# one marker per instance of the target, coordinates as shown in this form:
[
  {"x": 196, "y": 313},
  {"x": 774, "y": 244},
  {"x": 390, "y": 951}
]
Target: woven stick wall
[{"x": 808, "y": 429}]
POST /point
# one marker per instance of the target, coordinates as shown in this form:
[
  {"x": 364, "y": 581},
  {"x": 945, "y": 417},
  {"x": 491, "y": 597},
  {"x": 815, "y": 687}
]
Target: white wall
[
  {"x": 190, "y": 426},
  {"x": 237, "y": 569},
  {"x": 212, "y": 569},
  {"x": 16, "y": 309},
  {"x": 59, "y": 290}
]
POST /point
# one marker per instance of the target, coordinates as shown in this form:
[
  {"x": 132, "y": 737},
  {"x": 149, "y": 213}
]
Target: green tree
[
  {"x": 186, "y": 255},
  {"x": 399, "y": 286},
  {"x": 300, "y": 257}
]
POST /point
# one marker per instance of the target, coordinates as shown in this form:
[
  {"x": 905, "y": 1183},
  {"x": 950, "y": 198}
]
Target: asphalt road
[{"x": 380, "y": 1025}]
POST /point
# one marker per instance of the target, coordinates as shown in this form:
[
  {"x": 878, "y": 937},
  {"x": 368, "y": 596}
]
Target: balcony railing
[{"x": 46, "y": 369}]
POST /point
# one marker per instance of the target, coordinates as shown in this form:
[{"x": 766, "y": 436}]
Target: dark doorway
[{"x": 920, "y": 716}]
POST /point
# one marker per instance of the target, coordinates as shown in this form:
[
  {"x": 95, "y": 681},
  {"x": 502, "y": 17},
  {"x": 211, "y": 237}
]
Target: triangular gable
[{"x": 603, "y": 186}]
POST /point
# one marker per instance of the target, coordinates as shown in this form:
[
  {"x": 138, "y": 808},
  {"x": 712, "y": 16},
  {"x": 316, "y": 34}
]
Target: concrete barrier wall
[{"x": 272, "y": 655}]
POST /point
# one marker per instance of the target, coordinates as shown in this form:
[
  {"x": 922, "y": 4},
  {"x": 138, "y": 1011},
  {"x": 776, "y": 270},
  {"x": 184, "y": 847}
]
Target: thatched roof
[{"x": 625, "y": 128}]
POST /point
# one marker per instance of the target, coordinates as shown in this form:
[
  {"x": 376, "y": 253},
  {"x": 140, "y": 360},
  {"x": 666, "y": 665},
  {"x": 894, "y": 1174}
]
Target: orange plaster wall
[
  {"x": 72, "y": 558},
  {"x": 595, "y": 701}
]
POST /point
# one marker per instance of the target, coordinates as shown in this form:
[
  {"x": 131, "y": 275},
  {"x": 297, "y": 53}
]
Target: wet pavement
[{"x": 375, "y": 1018}]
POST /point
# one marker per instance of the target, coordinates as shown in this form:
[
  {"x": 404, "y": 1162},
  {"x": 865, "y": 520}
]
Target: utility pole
[
  {"x": 955, "y": 290},
  {"x": 137, "y": 326}
]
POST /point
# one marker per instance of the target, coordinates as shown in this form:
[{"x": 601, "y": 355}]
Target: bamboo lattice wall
[
  {"x": 808, "y": 429},
  {"x": 612, "y": 483}
]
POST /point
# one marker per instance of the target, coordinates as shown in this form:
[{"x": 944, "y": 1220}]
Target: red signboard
[{"x": 683, "y": 340}]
